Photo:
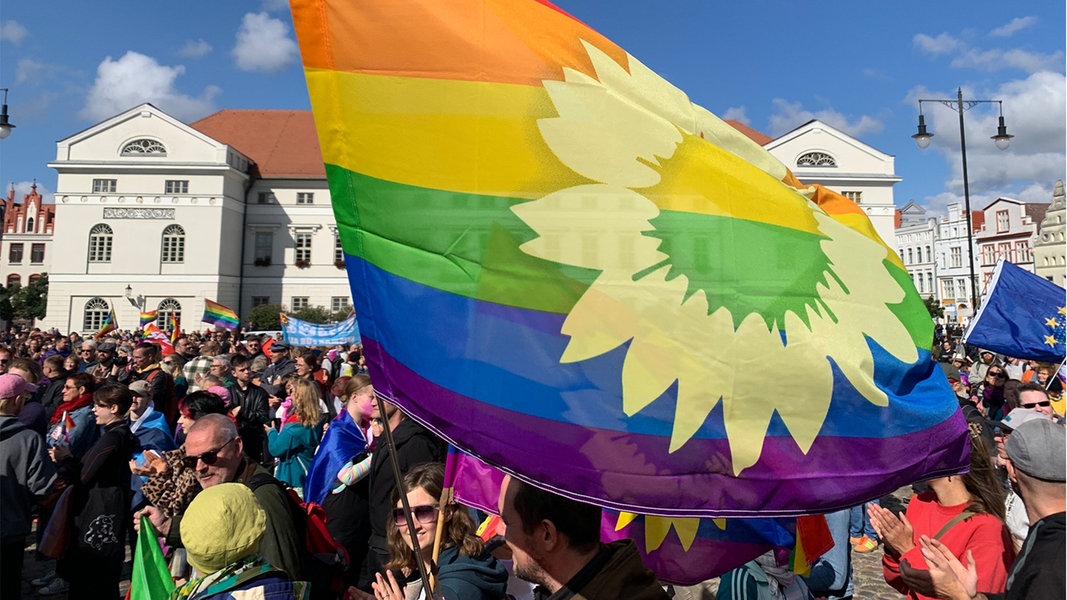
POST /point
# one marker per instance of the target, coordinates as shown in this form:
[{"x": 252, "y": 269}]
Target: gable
[{"x": 818, "y": 149}]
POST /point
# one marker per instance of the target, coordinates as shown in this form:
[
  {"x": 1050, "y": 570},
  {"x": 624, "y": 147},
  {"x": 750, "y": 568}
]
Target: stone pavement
[{"x": 866, "y": 568}]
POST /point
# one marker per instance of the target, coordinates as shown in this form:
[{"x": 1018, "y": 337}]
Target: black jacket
[
  {"x": 414, "y": 445},
  {"x": 254, "y": 414}
]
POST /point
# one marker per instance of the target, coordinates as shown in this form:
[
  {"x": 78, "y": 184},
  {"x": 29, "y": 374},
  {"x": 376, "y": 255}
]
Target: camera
[{"x": 122, "y": 361}]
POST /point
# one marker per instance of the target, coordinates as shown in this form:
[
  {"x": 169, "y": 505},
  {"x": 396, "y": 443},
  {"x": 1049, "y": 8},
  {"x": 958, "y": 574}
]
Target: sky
[{"x": 774, "y": 65}]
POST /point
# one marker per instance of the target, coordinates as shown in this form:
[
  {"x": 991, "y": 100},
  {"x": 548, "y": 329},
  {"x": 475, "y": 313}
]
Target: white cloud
[
  {"x": 195, "y": 49},
  {"x": 735, "y": 113},
  {"x": 993, "y": 60},
  {"x": 941, "y": 44},
  {"x": 23, "y": 187},
  {"x": 790, "y": 115},
  {"x": 263, "y": 44},
  {"x": 28, "y": 69},
  {"x": 1016, "y": 25},
  {"x": 12, "y": 31},
  {"x": 135, "y": 78},
  {"x": 274, "y": 5}
]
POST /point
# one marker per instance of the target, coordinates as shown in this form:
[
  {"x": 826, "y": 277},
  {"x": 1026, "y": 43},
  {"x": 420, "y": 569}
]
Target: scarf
[{"x": 69, "y": 407}]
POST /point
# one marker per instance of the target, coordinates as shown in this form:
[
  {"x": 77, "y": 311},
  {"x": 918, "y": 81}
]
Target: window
[
  {"x": 14, "y": 254},
  {"x": 105, "y": 186},
  {"x": 911, "y": 258},
  {"x": 100, "y": 243},
  {"x": 35, "y": 278},
  {"x": 14, "y": 281},
  {"x": 173, "y": 245},
  {"x": 1002, "y": 221},
  {"x": 264, "y": 247},
  {"x": 299, "y": 303},
  {"x": 946, "y": 289},
  {"x": 930, "y": 282},
  {"x": 37, "y": 253},
  {"x": 1004, "y": 251},
  {"x": 338, "y": 251},
  {"x": 853, "y": 196},
  {"x": 988, "y": 257},
  {"x": 929, "y": 255},
  {"x": 176, "y": 186},
  {"x": 168, "y": 308},
  {"x": 143, "y": 146},
  {"x": 96, "y": 311},
  {"x": 961, "y": 288},
  {"x": 1022, "y": 250},
  {"x": 957, "y": 257},
  {"x": 816, "y": 159},
  {"x": 260, "y": 300},
  {"x": 265, "y": 198},
  {"x": 339, "y": 303},
  {"x": 29, "y": 225},
  {"x": 303, "y": 247},
  {"x": 305, "y": 198}
]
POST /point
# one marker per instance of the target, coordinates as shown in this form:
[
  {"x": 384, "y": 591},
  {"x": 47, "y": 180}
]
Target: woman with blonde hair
[{"x": 294, "y": 446}]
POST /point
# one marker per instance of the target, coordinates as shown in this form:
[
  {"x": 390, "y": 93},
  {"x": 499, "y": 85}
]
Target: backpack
[{"x": 328, "y": 560}]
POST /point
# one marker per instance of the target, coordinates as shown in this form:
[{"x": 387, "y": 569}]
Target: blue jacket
[
  {"x": 294, "y": 447},
  {"x": 84, "y": 434}
]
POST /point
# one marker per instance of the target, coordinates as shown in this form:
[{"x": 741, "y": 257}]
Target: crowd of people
[{"x": 222, "y": 441}]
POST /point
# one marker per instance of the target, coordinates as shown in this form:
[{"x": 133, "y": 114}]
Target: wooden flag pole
[{"x": 445, "y": 502}]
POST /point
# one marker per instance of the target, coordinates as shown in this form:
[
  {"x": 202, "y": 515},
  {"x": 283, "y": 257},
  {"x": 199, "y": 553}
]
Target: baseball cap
[
  {"x": 279, "y": 346},
  {"x": 141, "y": 388},
  {"x": 1039, "y": 449},
  {"x": 12, "y": 385},
  {"x": 1018, "y": 416}
]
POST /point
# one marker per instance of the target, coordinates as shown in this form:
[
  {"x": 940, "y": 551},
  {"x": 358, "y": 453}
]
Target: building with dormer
[
  {"x": 26, "y": 239},
  {"x": 1008, "y": 231},
  {"x": 915, "y": 239},
  {"x": 1050, "y": 249}
]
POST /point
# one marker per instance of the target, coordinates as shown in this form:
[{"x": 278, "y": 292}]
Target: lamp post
[
  {"x": 5, "y": 125},
  {"x": 137, "y": 300},
  {"x": 1002, "y": 139}
]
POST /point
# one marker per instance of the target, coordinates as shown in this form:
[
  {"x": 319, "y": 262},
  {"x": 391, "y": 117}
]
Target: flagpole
[{"x": 414, "y": 538}]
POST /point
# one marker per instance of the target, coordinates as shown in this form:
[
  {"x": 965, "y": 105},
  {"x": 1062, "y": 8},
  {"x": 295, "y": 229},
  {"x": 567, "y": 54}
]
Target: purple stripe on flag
[{"x": 589, "y": 464}]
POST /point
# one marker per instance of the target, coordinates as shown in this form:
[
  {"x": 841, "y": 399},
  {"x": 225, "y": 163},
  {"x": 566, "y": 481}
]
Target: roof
[{"x": 282, "y": 143}]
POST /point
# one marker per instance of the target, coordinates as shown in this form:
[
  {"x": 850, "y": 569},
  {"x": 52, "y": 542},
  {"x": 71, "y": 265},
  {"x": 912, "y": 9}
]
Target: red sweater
[{"x": 983, "y": 534}]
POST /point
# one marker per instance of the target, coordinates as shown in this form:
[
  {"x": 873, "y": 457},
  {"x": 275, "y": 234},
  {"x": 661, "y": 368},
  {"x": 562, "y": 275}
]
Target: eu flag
[{"x": 1022, "y": 315}]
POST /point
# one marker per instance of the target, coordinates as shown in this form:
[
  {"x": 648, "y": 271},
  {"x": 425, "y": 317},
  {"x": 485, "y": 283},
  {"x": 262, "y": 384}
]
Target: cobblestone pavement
[{"x": 866, "y": 568}]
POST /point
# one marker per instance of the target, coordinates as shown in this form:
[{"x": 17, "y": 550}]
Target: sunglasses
[
  {"x": 998, "y": 374},
  {"x": 1036, "y": 404},
  {"x": 210, "y": 457},
  {"x": 425, "y": 514}
]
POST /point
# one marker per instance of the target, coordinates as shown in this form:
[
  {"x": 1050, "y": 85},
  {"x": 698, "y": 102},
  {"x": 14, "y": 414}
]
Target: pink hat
[
  {"x": 221, "y": 392},
  {"x": 12, "y": 385}
]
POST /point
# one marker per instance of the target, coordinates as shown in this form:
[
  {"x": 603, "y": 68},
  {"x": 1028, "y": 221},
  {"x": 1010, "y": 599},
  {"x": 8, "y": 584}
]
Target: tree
[
  {"x": 265, "y": 317},
  {"x": 313, "y": 314},
  {"x": 7, "y": 312},
  {"x": 934, "y": 307},
  {"x": 30, "y": 301}
]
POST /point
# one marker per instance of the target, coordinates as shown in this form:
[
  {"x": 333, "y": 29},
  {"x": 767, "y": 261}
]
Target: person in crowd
[
  {"x": 1015, "y": 367},
  {"x": 965, "y": 512},
  {"x": 250, "y": 409},
  {"x": 87, "y": 353},
  {"x": 147, "y": 423},
  {"x": 991, "y": 391},
  {"x": 1037, "y": 467},
  {"x": 54, "y": 369},
  {"x": 33, "y": 413},
  {"x": 862, "y": 535},
  {"x": 222, "y": 368},
  {"x": 762, "y": 577},
  {"x": 73, "y": 422},
  {"x": 1034, "y": 396},
  {"x": 413, "y": 445},
  {"x": 5, "y": 358},
  {"x": 60, "y": 347},
  {"x": 197, "y": 367},
  {"x": 831, "y": 575},
  {"x": 145, "y": 366},
  {"x": 173, "y": 364},
  {"x": 223, "y": 529},
  {"x": 555, "y": 543},
  {"x": 281, "y": 364},
  {"x": 465, "y": 571},
  {"x": 27, "y": 475},
  {"x": 187, "y": 348},
  {"x": 105, "y": 368},
  {"x": 252, "y": 347},
  {"x": 196, "y": 405},
  {"x": 214, "y": 452},
  {"x": 294, "y": 445},
  {"x": 100, "y": 500},
  {"x": 307, "y": 368},
  {"x": 73, "y": 363}
]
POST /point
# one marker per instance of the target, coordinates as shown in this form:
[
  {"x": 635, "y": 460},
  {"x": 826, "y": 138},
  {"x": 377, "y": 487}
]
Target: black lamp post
[
  {"x": 1002, "y": 139},
  {"x": 5, "y": 125}
]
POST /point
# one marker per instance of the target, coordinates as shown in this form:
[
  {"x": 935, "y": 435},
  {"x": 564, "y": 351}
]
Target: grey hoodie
[{"x": 26, "y": 474}]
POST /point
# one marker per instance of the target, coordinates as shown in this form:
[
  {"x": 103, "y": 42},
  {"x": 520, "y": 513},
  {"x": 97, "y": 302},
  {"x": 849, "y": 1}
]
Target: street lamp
[
  {"x": 1002, "y": 139},
  {"x": 5, "y": 125},
  {"x": 137, "y": 300}
]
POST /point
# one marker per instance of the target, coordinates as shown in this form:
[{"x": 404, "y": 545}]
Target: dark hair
[
  {"x": 580, "y": 522},
  {"x": 200, "y": 403},
  {"x": 1031, "y": 386},
  {"x": 84, "y": 380},
  {"x": 113, "y": 394},
  {"x": 459, "y": 528},
  {"x": 27, "y": 365},
  {"x": 148, "y": 347},
  {"x": 982, "y": 482},
  {"x": 310, "y": 359},
  {"x": 239, "y": 360}
]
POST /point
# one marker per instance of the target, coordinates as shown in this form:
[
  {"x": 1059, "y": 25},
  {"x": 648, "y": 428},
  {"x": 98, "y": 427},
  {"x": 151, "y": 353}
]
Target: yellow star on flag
[
  {"x": 1050, "y": 340},
  {"x": 1051, "y": 322},
  {"x": 1063, "y": 310},
  {"x": 657, "y": 528}
]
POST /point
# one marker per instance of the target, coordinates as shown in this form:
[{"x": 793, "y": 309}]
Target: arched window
[
  {"x": 29, "y": 225},
  {"x": 168, "y": 308},
  {"x": 100, "y": 243},
  {"x": 13, "y": 281},
  {"x": 142, "y": 147},
  {"x": 816, "y": 159},
  {"x": 34, "y": 278},
  {"x": 173, "y": 244},
  {"x": 96, "y": 311}
]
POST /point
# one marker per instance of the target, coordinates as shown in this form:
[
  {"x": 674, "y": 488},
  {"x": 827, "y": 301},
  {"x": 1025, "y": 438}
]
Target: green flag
[{"x": 150, "y": 578}]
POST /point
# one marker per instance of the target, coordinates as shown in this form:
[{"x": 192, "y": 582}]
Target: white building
[
  {"x": 916, "y": 237},
  {"x": 1050, "y": 249},
  {"x": 819, "y": 153},
  {"x": 953, "y": 272},
  {"x": 222, "y": 209},
  {"x": 1008, "y": 231}
]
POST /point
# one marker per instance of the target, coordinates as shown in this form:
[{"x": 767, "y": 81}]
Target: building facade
[
  {"x": 1050, "y": 249},
  {"x": 916, "y": 238},
  {"x": 953, "y": 272},
  {"x": 26, "y": 241},
  {"x": 1008, "y": 231}
]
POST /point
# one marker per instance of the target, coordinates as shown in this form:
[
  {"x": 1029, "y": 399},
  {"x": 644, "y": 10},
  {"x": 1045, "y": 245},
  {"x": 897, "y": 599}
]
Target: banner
[{"x": 303, "y": 333}]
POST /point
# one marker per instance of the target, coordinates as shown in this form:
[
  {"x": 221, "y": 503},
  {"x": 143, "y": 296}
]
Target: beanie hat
[{"x": 222, "y": 525}]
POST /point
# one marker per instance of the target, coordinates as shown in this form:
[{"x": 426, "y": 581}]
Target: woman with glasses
[
  {"x": 71, "y": 425},
  {"x": 465, "y": 570},
  {"x": 100, "y": 499},
  {"x": 991, "y": 392}
]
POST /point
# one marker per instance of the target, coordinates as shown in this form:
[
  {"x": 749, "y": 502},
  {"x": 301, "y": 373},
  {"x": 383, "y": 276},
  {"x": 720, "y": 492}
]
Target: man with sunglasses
[
  {"x": 215, "y": 452},
  {"x": 1034, "y": 396},
  {"x": 87, "y": 353}
]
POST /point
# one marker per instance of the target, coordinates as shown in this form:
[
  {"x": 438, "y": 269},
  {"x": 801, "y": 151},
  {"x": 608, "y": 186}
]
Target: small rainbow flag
[
  {"x": 175, "y": 330},
  {"x": 148, "y": 317},
  {"x": 220, "y": 315},
  {"x": 111, "y": 323}
]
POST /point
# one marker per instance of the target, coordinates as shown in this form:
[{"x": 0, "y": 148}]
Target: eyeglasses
[
  {"x": 1036, "y": 404},
  {"x": 210, "y": 457},
  {"x": 425, "y": 514},
  {"x": 85, "y": 350},
  {"x": 998, "y": 374}
]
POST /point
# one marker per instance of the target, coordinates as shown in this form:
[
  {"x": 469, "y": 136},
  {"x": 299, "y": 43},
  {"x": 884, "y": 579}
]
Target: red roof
[
  {"x": 760, "y": 138},
  {"x": 283, "y": 143}
]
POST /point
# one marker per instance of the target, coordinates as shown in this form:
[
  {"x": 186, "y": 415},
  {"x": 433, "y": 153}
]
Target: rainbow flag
[
  {"x": 644, "y": 308},
  {"x": 148, "y": 317},
  {"x": 111, "y": 323},
  {"x": 175, "y": 330},
  {"x": 220, "y": 315}
]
